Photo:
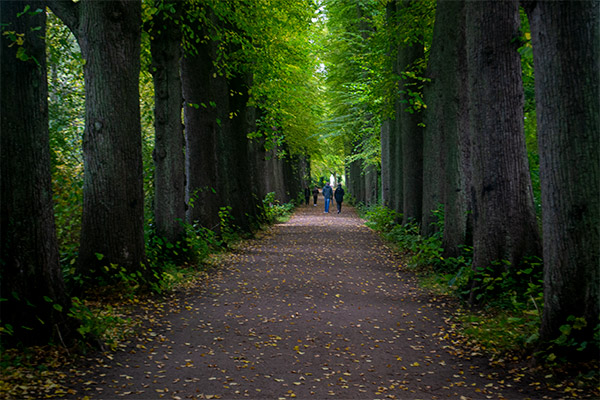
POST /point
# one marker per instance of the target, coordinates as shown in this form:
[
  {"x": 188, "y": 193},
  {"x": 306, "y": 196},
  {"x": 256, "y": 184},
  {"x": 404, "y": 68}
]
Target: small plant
[
  {"x": 381, "y": 218},
  {"x": 568, "y": 342},
  {"x": 229, "y": 231},
  {"x": 273, "y": 210},
  {"x": 101, "y": 325}
]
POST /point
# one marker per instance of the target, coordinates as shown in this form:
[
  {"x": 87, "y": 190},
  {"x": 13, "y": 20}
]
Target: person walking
[
  {"x": 315, "y": 196},
  {"x": 306, "y": 194},
  {"x": 339, "y": 197},
  {"x": 328, "y": 195}
]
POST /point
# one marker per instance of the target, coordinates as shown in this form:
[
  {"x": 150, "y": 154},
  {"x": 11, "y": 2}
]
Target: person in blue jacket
[
  {"x": 328, "y": 195},
  {"x": 339, "y": 197}
]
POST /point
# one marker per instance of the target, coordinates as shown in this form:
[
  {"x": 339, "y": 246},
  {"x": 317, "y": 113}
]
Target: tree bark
[
  {"x": 503, "y": 212},
  {"x": 169, "y": 147},
  {"x": 112, "y": 231},
  {"x": 29, "y": 263},
  {"x": 412, "y": 141},
  {"x": 385, "y": 164},
  {"x": 445, "y": 166},
  {"x": 234, "y": 142},
  {"x": 201, "y": 135},
  {"x": 396, "y": 155},
  {"x": 566, "y": 50}
]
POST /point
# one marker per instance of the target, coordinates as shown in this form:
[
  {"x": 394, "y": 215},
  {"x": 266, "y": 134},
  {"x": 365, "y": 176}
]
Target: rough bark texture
[
  {"x": 504, "y": 218},
  {"x": 385, "y": 164},
  {"x": 217, "y": 124},
  {"x": 396, "y": 164},
  {"x": 444, "y": 170},
  {"x": 236, "y": 161},
  {"x": 200, "y": 136},
  {"x": 566, "y": 49},
  {"x": 412, "y": 142},
  {"x": 29, "y": 264},
  {"x": 108, "y": 33},
  {"x": 355, "y": 181},
  {"x": 169, "y": 155}
]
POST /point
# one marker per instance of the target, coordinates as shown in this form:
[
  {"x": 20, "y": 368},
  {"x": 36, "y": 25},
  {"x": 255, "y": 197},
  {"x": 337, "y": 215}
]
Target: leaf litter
[{"x": 317, "y": 307}]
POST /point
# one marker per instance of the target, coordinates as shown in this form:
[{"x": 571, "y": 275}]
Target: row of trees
[
  {"x": 239, "y": 72},
  {"x": 443, "y": 96}
]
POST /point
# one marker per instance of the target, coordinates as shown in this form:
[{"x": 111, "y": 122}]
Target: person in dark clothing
[
  {"x": 328, "y": 195},
  {"x": 315, "y": 196},
  {"x": 339, "y": 197},
  {"x": 306, "y": 195}
]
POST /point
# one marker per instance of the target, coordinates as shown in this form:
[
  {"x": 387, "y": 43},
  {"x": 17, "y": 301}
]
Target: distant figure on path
[
  {"x": 306, "y": 194},
  {"x": 328, "y": 195},
  {"x": 339, "y": 197},
  {"x": 315, "y": 195}
]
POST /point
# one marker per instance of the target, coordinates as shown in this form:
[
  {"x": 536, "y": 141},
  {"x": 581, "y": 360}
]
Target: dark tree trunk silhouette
[
  {"x": 411, "y": 134},
  {"x": 566, "y": 50},
  {"x": 503, "y": 212},
  {"x": 200, "y": 133},
  {"x": 169, "y": 155},
  {"x": 32, "y": 284},
  {"x": 112, "y": 231},
  {"x": 396, "y": 174},
  {"x": 446, "y": 148},
  {"x": 386, "y": 190},
  {"x": 236, "y": 160}
]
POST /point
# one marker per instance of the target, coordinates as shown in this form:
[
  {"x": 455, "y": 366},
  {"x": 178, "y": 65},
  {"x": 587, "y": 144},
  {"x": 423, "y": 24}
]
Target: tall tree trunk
[
  {"x": 200, "y": 134},
  {"x": 112, "y": 231},
  {"x": 385, "y": 164},
  {"x": 566, "y": 50},
  {"x": 169, "y": 157},
  {"x": 444, "y": 175},
  {"x": 396, "y": 153},
  {"x": 412, "y": 141},
  {"x": 235, "y": 147},
  {"x": 371, "y": 180},
  {"x": 29, "y": 263},
  {"x": 504, "y": 217}
]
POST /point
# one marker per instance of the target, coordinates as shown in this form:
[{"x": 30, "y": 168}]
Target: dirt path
[{"x": 316, "y": 309}]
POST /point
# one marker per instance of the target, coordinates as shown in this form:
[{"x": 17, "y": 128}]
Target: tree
[
  {"x": 409, "y": 120},
  {"x": 197, "y": 75},
  {"x": 112, "y": 230},
  {"x": 446, "y": 144},
  {"x": 35, "y": 301},
  {"x": 169, "y": 149},
  {"x": 566, "y": 50},
  {"x": 391, "y": 142},
  {"x": 503, "y": 212}
]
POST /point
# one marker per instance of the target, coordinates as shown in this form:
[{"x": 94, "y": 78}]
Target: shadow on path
[{"x": 315, "y": 309}]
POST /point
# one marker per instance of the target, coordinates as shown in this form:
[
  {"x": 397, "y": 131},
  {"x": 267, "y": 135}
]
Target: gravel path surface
[{"x": 317, "y": 308}]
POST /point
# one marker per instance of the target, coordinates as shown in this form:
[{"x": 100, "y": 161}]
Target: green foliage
[
  {"x": 511, "y": 297},
  {"x": 505, "y": 286},
  {"x": 502, "y": 333},
  {"x": 381, "y": 218},
  {"x": 66, "y": 103},
  {"x": 274, "y": 211},
  {"x": 360, "y": 42},
  {"x": 229, "y": 232},
  {"x": 567, "y": 344},
  {"x": 101, "y": 324}
]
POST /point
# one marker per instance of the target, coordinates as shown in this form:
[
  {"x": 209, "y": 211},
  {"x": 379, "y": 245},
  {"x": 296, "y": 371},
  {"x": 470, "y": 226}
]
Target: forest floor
[{"x": 318, "y": 307}]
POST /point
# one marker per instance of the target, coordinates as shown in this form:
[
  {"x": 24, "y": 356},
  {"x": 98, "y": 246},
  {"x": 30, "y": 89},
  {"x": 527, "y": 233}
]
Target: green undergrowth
[
  {"x": 505, "y": 322},
  {"x": 109, "y": 314}
]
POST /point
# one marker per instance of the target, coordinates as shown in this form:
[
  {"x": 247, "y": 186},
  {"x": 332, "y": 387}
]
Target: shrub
[
  {"x": 381, "y": 218},
  {"x": 273, "y": 210}
]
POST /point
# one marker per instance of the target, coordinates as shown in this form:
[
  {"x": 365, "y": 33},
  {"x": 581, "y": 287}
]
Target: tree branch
[{"x": 68, "y": 12}]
